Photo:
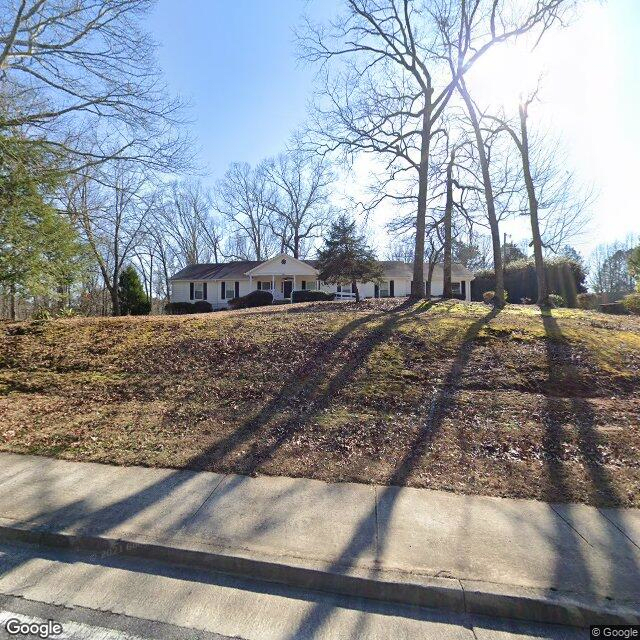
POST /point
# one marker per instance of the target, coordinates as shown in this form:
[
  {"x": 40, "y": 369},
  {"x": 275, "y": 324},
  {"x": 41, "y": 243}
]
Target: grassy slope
[{"x": 443, "y": 396}]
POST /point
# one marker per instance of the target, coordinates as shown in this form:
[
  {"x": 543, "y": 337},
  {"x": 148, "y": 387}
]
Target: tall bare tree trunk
[
  {"x": 429, "y": 279},
  {"x": 12, "y": 301},
  {"x": 448, "y": 211},
  {"x": 488, "y": 192},
  {"x": 115, "y": 294},
  {"x": 417, "y": 286},
  {"x": 354, "y": 288},
  {"x": 541, "y": 276}
]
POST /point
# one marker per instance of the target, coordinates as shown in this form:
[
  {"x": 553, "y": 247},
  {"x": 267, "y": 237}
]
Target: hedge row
[
  {"x": 311, "y": 296},
  {"x": 565, "y": 277},
  {"x": 180, "y": 308}
]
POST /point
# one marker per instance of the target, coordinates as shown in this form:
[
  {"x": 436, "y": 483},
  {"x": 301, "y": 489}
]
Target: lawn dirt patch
[{"x": 447, "y": 395}]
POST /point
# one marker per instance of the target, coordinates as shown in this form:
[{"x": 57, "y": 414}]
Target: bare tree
[
  {"x": 245, "y": 198},
  {"x": 609, "y": 269},
  {"x": 83, "y": 76},
  {"x": 402, "y": 62},
  {"x": 110, "y": 211},
  {"x": 187, "y": 221},
  {"x": 550, "y": 189},
  {"x": 299, "y": 207}
]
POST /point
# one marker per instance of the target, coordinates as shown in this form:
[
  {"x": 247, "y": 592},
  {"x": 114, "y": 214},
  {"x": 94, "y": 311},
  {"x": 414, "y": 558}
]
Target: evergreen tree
[
  {"x": 346, "y": 257},
  {"x": 634, "y": 265},
  {"x": 40, "y": 252},
  {"x": 133, "y": 299}
]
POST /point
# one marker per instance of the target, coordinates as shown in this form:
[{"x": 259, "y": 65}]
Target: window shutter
[
  {"x": 376, "y": 290},
  {"x": 304, "y": 285},
  {"x": 222, "y": 291},
  {"x": 237, "y": 290},
  {"x": 204, "y": 291},
  {"x": 191, "y": 291},
  {"x": 259, "y": 285},
  {"x": 392, "y": 291}
]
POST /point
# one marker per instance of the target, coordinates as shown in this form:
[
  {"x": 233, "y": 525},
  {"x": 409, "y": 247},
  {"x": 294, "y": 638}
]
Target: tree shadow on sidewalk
[
  {"x": 560, "y": 398},
  {"x": 436, "y": 410},
  {"x": 311, "y": 387}
]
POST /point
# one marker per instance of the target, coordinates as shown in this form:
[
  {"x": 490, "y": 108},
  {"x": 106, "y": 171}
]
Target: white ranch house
[{"x": 218, "y": 283}]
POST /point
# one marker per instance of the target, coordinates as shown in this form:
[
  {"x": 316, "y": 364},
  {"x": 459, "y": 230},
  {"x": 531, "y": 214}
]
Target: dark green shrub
[
  {"x": 311, "y": 296},
  {"x": 556, "y": 301},
  {"x": 587, "y": 300},
  {"x": 42, "y": 314},
  {"x": 565, "y": 277},
  {"x": 615, "y": 308},
  {"x": 202, "y": 306},
  {"x": 632, "y": 303},
  {"x": 179, "y": 308},
  {"x": 133, "y": 299},
  {"x": 256, "y": 298}
]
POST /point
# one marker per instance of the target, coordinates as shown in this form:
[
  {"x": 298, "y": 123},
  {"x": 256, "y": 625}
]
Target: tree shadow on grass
[
  {"x": 313, "y": 388},
  {"x": 437, "y": 410},
  {"x": 602, "y": 488}
]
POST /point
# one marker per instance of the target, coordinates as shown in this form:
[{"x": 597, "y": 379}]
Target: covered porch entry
[{"x": 282, "y": 276}]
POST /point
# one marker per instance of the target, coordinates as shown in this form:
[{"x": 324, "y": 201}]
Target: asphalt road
[{"x": 100, "y": 597}]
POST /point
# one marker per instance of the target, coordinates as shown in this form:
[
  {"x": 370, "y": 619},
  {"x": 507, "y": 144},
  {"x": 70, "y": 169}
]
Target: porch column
[
  {"x": 250, "y": 282},
  {"x": 273, "y": 286},
  {"x": 293, "y": 286}
]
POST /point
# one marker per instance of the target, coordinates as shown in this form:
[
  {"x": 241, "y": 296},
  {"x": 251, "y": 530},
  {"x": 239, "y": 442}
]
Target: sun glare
[{"x": 504, "y": 74}]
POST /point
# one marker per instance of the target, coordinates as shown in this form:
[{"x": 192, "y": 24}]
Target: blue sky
[{"x": 236, "y": 63}]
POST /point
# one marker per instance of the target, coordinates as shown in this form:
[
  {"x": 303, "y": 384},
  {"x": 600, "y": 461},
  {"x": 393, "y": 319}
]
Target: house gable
[{"x": 283, "y": 265}]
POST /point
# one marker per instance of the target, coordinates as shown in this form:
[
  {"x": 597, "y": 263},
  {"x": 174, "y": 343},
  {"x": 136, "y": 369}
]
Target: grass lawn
[{"x": 447, "y": 396}]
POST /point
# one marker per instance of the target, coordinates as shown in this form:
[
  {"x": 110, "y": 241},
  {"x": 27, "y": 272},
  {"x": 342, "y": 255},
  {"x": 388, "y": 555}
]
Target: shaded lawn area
[{"x": 448, "y": 395}]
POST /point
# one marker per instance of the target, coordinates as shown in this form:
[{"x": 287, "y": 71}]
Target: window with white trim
[
  {"x": 384, "y": 289},
  {"x": 229, "y": 290},
  {"x": 455, "y": 288},
  {"x": 198, "y": 290},
  {"x": 265, "y": 285}
]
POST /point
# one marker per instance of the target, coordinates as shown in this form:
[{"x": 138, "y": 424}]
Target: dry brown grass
[{"x": 447, "y": 396}]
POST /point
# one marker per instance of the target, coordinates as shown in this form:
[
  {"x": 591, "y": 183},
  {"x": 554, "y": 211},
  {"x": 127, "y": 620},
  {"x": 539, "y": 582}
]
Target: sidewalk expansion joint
[
  {"x": 195, "y": 513},
  {"x": 622, "y": 531},
  {"x": 570, "y": 525}
]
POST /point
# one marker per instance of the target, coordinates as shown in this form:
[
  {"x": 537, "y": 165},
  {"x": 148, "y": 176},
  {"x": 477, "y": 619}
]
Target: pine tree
[
  {"x": 40, "y": 252},
  {"x": 133, "y": 299},
  {"x": 346, "y": 257}
]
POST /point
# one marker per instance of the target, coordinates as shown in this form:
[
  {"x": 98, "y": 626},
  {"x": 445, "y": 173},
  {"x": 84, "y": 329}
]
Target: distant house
[{"x": 218, "y": 283}]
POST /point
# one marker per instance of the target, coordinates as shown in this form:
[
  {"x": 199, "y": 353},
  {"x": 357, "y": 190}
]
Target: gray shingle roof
[
  {"x": 216, "y": 271},
  {"x": 237, "y": 270}
]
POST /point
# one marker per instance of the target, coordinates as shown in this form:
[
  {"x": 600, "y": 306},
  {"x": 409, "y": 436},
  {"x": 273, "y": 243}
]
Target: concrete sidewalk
[{"x": 570, "y": 564}]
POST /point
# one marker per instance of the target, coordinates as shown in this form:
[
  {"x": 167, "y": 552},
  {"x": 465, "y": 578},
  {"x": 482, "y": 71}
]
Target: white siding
[{"x": 180, "y": 291}]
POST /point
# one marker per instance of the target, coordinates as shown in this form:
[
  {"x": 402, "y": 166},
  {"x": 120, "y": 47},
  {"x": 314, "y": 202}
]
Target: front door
[{"x": 287, "y": 286}]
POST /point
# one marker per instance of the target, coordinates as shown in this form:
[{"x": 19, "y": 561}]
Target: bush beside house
[
  {"x": 256, "y": 298},
  {"x": 311, "y": 296}
]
